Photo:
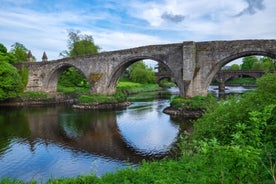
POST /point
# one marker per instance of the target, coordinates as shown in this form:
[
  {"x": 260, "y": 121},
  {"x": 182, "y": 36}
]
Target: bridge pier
[
  {"x": 221, "y": 87},
  {"x": 195, "y": 87}
]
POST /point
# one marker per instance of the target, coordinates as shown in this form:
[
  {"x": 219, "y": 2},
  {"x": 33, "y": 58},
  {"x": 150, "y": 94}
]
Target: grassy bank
[
  {"x": 124, "y": 85},
  {"x": 208, "y": 102},
  {"x": 130, "y": 87},
  {"x": 124, "y": 89}
]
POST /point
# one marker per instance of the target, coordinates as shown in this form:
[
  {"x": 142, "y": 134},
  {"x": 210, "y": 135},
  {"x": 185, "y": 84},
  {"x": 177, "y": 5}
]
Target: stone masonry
[{"x": 193, "y": 64}]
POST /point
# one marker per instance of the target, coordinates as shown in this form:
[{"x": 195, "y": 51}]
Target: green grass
[
  {"x": 64, "y": 89},
  {"x": 241, "y": 81},
  {"x": 132, "y": 87},
  {"x": 124, "y": 85},
  {"x": 195, "y": 102},
  {"x": 96, "y": 99},
  {"x": 167, "y": 84},
  {"x": 34, "y": 95}
]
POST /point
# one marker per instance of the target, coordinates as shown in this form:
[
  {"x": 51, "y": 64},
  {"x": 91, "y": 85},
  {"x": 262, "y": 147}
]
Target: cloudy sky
[{"x": 120, "y": 24}]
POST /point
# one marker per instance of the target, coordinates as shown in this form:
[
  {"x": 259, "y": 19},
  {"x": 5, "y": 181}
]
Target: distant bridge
[
  {"x": 192, "y": 64},
  {"x": 223, "y": 75}
]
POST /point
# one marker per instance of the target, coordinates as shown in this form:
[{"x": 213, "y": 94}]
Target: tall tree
[
  {"x": 20, "y": 52},
  {"x": 247, "y": 62},
  {"x": 234, "y": 67},
  {"x": 3, "y": 49},
  {"x": 10, "y": 80},
  {"x": 265, "y": 63},
  {"x": 268, "y": 63},
  {"x": 139, "y": 72},
  {"x": 79, "y": 45},
  {"x": 6, "y": 55}
]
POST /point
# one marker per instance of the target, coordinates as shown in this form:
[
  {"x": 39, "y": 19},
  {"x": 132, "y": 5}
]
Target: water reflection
[
  {"x": 60, "y": 142},
  {"x": 146, "y": 129}
]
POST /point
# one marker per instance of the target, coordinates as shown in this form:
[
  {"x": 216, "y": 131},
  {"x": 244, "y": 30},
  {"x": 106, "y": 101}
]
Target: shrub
[
  {"x": 207, "y": 102},
  {"x": 10, "y": 80}
]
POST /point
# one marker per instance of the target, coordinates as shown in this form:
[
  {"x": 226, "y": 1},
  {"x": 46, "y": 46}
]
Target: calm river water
[{"x": 51, "y": 142}]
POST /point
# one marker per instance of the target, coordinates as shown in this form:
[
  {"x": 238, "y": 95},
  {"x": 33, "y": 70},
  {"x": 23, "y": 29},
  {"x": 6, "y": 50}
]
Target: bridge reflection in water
[{"x": 60, "y": 142}]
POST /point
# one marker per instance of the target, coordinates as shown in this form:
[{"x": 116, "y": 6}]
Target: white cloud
[
  {"x": 119, "y": 40},
  {"x": 142, "y": 23}
]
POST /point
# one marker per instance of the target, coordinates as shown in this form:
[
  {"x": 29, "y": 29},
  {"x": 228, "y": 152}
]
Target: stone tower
[
  {"x": 44, "y": 57},
  {"x": 30, "y": 56}
]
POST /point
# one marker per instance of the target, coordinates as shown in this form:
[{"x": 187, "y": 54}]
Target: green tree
[
  {"x": 5, "y": 55},
  {"x": 79, "y": 45},
  {"x": 20, "y": 52},
  {"x": 3, "y": 49},
  {"x": 268, "y": 63},
  {"x": 83, "y": 47},
  {"x": 10, "y": 80},
  {"x": 265, "y": 63},
  {"x": 140, "y": 73},
  {"x": 257, "y": 66},
  {"x": 72, "y": 78},
  {"x": 247, "y": 62},
  {"x": 234, "y": 67}
]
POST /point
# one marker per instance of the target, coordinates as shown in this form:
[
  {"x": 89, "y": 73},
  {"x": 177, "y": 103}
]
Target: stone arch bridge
[
  {"x": 193, "y": 64},
  {"x": 223, "y": 75}
]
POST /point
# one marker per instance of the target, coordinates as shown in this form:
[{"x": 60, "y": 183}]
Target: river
[{"x": 52, "y": 142}]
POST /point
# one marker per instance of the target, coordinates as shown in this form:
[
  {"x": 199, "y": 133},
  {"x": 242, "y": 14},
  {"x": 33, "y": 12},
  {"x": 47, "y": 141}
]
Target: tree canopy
[
  {"x": 247, "y": 62},
  {"x": 255, "y": 63},
  {"x": 140, "y": 73},
  {"x": 79, "y": 45},
  {"x": 20, "y": 52},
  {"x": 234, "y": 67},
  {"x": 265, "y": 63},
  {"x": 6, "y": 56},
  {"x": 10, "y": 80}
]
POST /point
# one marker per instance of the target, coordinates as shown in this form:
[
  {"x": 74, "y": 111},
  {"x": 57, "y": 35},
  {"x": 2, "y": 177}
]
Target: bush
[
  {"x": 246, "y": 126},
  {"x": 208, "y": 102},
  {"x": 32, "y": 95},
  {"x": 94, "y": 99},
  {"x": 11, "y": 82},
  {"x": 24, "y": 73},
  {"x": 141, "y": 74}
]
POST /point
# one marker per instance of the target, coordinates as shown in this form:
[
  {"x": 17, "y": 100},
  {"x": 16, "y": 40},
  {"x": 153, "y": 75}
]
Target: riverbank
[
  {"x": 194, "y": 107},
  {"x": 40, "y": 99},
  {"x": 101, "y": 106},
  {"x": 81, "y": 100},
  {"x": 184, "y": 112}
]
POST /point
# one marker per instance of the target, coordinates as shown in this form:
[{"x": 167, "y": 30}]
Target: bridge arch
[
  {"x": 118, "y": 71},
  {"x": 233, "y": 57},
  {"x": 51, "y": 80},
  {"x": 163, "y": 78}
]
